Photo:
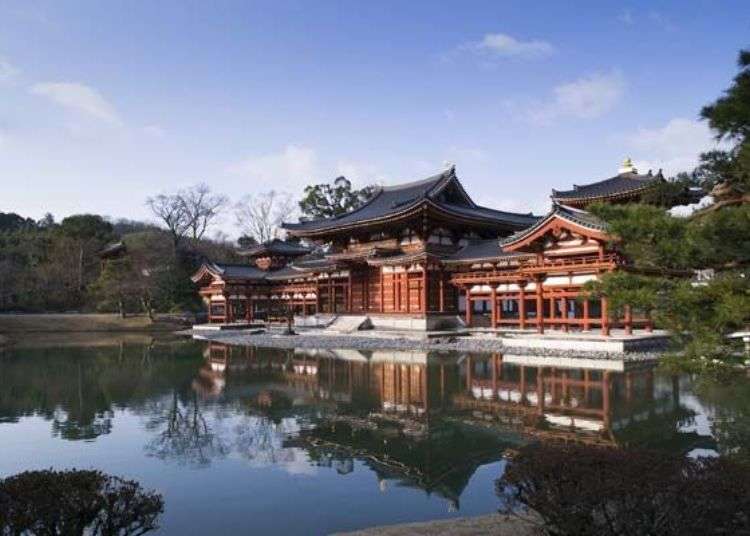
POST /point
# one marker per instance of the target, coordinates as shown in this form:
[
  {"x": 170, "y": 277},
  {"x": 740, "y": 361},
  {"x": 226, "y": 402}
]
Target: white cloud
[
  {"x": 7, "y": 71},
  {"x": 78, "y": 97},
  {"x": 499, "y": 45},
  {"x": 673, "y": 147},
  {"x": 626, "y": 17},
  {"x": 291, "y": 169},
  {"x": 155, "y": 131},
  {"x": 588, "y": 97}
]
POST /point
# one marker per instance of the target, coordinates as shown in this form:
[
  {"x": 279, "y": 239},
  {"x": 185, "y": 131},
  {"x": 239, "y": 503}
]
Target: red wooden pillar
[
  {"x": 349, "y": 293},
  {"x": 248, "y": 307},
  {"x": 228, "y": 312},
  {"x": 331, "y": 296},
  {"x": 628, "y": 320},
  {"x": 522, "y": 308},
  {"x": 468, "y": 308},
  {"x": 441, "y": 291},
  {"x": 552, "y": 312},
  {"x": 382, "y": 291},
  {"x": 539, "y": 307},
  {"x": 493, "y": 309},
  {"x": 586, "y": 320},
  {"x": 605, "y": 317},
  {"x": 469, "y": 372},
  {"x": 564, "y": 307},
  {"x": 425, "y": 294}
]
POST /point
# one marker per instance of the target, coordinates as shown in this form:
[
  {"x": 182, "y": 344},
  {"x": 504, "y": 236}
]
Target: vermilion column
[
  {"x": 493, "y": 309},
  {"x": 605, "y": 317},
  {"x": 468, "y": 308},
  {"x": 586, "y": 323},
  {"x": 539, "y": 307},
  {"x": 522, "y": 308}
]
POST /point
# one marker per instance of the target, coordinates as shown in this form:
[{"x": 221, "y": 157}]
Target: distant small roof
[
  {"x": 622, "y": 185},
  {"x": 229, "y": 271},
  {"x": 111, "y": 249},
  {"x": 397, "y": 200},
  {"x": 276, "y": 247}
]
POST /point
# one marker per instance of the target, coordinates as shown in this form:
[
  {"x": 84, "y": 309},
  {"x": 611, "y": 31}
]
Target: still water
[{"x": 272, "y": 441}]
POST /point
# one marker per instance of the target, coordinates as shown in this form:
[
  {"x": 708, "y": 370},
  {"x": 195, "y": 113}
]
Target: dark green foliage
[
  {"x": 664, "y": 251},
  {"x": 580, "y": 490},
  {"x": 75, "y": 503},
  {"x": 329, "y": 200},
  {"x": 729, "y": 116},
  {"x": 12, "y": 222}
]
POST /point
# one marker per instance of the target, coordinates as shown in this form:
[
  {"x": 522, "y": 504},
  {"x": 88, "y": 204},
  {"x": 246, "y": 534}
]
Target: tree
[
  {"x": 88, "y": 234},
  {"x": 585, "y": 490},
  {"x": 201, "y": 208},
  {"x": 329, "y": 200},
  {"x": 665, "y": 250},
  {"x": 170, "y": 209},
  {"x": 729, "y": 118},
  {"x": 76, "y": 503},
  {"x": 260, "y": 216}
]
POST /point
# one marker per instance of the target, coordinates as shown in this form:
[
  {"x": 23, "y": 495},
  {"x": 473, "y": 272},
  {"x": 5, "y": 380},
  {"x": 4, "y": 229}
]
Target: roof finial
[{"x": 627, "y": 167}]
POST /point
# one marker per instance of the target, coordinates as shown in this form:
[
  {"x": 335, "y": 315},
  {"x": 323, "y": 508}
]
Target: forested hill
[{"x": 56, "y": 266}]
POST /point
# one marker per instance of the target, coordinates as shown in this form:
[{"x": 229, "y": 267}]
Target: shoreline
[
  {"x": 489, "y": 524},
  {"x": 306, "y": 340}
]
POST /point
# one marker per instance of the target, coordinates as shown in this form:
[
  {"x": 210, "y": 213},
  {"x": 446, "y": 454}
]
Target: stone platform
[
  {"x": 617, "y": 342},
  {"x": 228, "y": 327}
]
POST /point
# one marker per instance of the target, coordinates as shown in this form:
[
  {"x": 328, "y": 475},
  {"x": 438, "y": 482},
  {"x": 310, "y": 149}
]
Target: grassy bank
[{"x": 14, "y": 326}]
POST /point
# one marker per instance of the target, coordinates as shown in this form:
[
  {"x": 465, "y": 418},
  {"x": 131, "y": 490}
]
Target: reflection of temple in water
[{"x": 429, "y": 420}]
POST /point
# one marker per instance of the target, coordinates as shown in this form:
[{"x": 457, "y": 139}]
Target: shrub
[
  {"x": 76, "y": 502},
  {"x": 579, "y": 490}
]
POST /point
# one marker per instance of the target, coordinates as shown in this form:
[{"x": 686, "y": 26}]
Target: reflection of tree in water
[
  {"x": 441, "y": 460},
  {"x": 729, "y": 405},
  {"x": 183, "y": 433},
  {"x": 78, "y": 387}
]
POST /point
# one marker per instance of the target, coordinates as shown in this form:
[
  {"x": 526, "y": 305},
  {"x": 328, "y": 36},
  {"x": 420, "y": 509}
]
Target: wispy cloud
[
  {"x": 503, "y": 46},
  {"x": 78, "y": 97},
  {"x": 673, "y": 147},
  {"x": 289, "y": 169},
  {"x": 588, "y": 97},
  {"x": 626, "y": 17},
  {"x": 155, "y": 131},
  {"x": 7, "y": 71}
]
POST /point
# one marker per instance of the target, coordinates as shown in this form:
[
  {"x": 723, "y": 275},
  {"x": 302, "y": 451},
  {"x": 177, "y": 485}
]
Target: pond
[{"x": 242, "y": 439}]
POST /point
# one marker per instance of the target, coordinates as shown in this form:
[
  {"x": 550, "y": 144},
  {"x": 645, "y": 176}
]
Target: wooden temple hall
[{"x": 424, "y": 255}]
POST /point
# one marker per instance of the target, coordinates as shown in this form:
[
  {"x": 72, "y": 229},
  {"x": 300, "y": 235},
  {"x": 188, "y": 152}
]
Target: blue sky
[{"x": 105, "y": 103}]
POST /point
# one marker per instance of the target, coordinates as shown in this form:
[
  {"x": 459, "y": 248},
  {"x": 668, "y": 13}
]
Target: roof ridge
[{"x": 433, "y": 178}]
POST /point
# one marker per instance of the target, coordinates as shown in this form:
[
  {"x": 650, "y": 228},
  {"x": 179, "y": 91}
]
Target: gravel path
[{"x": 396, "y": 342}]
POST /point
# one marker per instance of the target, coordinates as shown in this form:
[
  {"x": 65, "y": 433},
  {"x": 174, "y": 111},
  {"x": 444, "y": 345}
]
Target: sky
[{"x": 103, "y": 104}]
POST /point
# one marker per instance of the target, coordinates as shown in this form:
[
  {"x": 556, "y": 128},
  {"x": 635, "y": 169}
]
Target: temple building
[{"x": 425, "y": 256}]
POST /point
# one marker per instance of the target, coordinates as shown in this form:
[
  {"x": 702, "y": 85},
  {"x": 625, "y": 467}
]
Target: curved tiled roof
[
  {"x": 624, "y": 183},
  {"x": 394, "y": 200},
  {"x": 578, "y": 217},
  {"x": 479, "y": 250},
  {"x": 276, "y": 247},
  {"x": 229, "y": 271}
]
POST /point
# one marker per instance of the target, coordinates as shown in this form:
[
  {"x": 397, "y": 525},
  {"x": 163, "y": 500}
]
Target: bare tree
[
  {"x": 189, "y": 212},
  {"x": 201, "y": 208},
  {"x": 170, "y": 209},
  {"x": 261, "y": 215}
]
